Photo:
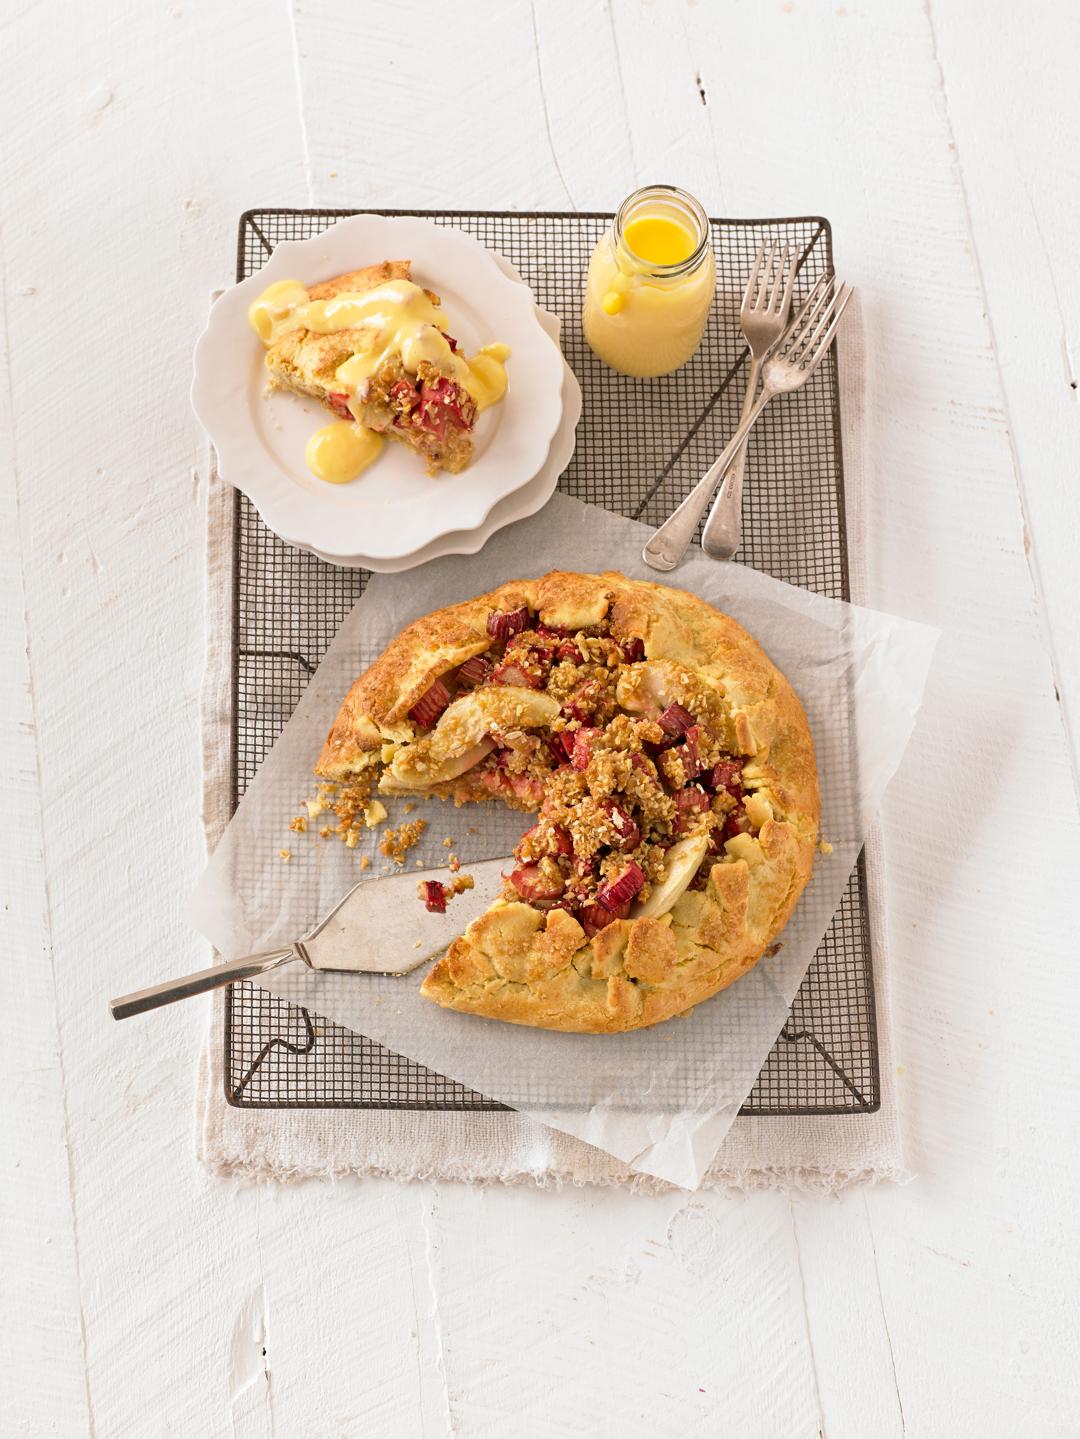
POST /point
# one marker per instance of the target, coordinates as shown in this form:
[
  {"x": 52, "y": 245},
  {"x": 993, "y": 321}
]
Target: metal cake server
[{"x": 376, "y": 929}]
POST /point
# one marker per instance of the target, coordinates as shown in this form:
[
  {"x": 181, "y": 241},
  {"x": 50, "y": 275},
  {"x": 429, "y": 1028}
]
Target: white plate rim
[{"x": 221, "y": 384}]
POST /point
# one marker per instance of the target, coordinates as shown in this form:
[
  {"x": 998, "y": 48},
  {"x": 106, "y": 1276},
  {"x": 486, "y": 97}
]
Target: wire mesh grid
[{"x": 640, "y": 447}]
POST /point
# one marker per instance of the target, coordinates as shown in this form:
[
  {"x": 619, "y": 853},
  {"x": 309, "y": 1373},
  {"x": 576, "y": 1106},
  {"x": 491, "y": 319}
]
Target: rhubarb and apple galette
[{"x": 669, "y": 765}]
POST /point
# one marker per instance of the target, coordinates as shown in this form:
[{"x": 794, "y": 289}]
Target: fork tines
[
  {"x": 760, "y": 298},
  {"x": 811, "y": 332}
]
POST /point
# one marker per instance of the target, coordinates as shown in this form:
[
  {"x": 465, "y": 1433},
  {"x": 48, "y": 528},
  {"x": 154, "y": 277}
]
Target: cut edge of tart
[{"x": 669, "y": 766}]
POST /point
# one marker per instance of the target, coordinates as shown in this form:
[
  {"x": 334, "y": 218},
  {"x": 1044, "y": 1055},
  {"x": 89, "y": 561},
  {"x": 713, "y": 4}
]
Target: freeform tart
[
  {"x": 670, "y": 767},
  {"x": 375, "y": 349}
]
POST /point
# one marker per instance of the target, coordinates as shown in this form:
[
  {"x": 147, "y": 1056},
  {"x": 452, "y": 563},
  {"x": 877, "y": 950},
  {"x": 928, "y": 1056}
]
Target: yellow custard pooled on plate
[
  {"x": 341, "y": 451},
  {"x": 376, "y": 349},
  {"x": 651, "y": 283}
]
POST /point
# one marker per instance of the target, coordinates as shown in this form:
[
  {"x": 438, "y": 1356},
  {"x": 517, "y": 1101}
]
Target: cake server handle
[{"x": 248, "y": 966}]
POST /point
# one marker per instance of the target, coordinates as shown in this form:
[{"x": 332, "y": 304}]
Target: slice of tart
[
  {"x": 374, "y": 348},
  {"x": 669, "y": 767}
]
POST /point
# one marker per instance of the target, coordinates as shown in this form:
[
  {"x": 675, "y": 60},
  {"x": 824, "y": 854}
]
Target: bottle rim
[{"x": 680, "y": 200}]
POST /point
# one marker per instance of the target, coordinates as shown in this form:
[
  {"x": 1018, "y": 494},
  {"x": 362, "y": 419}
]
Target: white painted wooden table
[{"x": 140, "y": 1298}]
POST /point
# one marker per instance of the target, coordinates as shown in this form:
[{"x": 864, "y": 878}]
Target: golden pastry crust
[
  {"x": 305, "y": 362},
  {"x": 525, "y": 966}
]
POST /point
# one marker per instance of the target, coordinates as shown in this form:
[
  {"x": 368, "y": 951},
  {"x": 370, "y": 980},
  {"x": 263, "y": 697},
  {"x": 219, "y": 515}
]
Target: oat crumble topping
[
  {"x": 396, "y": 843},
  {"x": 638, "y": 755}
]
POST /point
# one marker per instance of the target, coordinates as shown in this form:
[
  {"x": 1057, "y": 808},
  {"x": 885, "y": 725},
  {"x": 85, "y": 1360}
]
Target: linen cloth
[{"x": 822, "y": 1153}]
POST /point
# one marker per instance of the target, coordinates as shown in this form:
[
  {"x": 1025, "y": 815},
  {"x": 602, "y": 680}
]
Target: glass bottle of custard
[{"x": 651, "y": 282}]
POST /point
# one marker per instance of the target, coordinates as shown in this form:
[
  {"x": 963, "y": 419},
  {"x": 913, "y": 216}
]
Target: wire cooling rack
[{"x": 641, "y": 445}]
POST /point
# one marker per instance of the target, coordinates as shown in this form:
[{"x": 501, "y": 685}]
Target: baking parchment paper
[{"x": 662, "y": 1099}]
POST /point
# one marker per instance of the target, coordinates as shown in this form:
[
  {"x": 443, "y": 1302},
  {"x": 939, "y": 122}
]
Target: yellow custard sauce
[
  {"x": 651, "y": 283},
  {"x": 394, "y": 320},
  {"x": 341, "y": 451}
]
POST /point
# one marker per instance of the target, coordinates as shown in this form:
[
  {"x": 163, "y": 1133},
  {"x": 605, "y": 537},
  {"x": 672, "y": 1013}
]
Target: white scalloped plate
[{"x": 395, "y": 508}]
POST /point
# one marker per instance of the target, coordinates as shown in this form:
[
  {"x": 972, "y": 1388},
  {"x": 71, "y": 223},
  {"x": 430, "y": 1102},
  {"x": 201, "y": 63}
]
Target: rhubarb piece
[
  {"x": 675, "y": 721},
  {"x": 627, "y": 829},
  {"x": 557, "y": 749},
  {"x": 405, "y": 396},
  {"x": 689, "y": 803},
  {"x": 689, "y": 752},
  {"x": 595, "y": 917},
  {"x": 434, "y": 895},
  {"x": 632, "y": 650},
  {"x": 623, "y": 888},
  {"x": 476, "y": 671},
  {"x": 540, "y": 881},
  {"x": 513, "y": 673},
  {"x": 430, "y": 705},
  {"x": 581, "y": 751},
  {"x": 736, "y": 823},
  {"x": 727, "y": 775},
  {"x": 339, "y": 402},
  {"x": 504, "y": 623},
  {"x": 443, "y": 402}
]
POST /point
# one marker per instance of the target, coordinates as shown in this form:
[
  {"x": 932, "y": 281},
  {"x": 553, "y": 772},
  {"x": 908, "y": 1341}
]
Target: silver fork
[
  {"x": 764, "y": 316},
  {"x": 795, "y": 359}
]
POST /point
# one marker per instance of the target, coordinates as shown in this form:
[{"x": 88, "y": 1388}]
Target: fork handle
[
  {"x": 246, "y": 967},
  {"x": 723, "y": 529},
  {"x": 670, "y": 543}
]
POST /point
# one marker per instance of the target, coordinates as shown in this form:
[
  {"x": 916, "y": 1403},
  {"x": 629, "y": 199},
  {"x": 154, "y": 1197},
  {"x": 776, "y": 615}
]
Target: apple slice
[
  {"x": 410, "y": 780},
  {"x": 462, "y": 736},
  {"x": 683, "y": 862}
]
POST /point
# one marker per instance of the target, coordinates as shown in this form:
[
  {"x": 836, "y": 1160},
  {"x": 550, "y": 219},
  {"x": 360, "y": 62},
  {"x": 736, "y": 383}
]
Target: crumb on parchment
[
  {"x": 285, "y": 855},
  {"x": 299, "y": 824},
  {"x": 395, "y": 843},
  {"x": 365, "y": 861}
]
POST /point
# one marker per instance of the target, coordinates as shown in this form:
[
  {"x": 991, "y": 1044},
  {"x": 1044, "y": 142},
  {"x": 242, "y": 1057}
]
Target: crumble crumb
[
  {"x": 448, "y": 843},
  {"x": 824, "y": 847},
  {"x": 409, "y": 807},
  {"x": 396, "y": 842},
  {"x": 435, "y": 894},
  {"x": 454, "y": 863},
  {"x": 285, "y": 855},
  {"x": 365, "y": 861},
  {"x": 299, "y": 824},
  {"x": 325, "y": 832},
  {"x": 375, "y": 813}
]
